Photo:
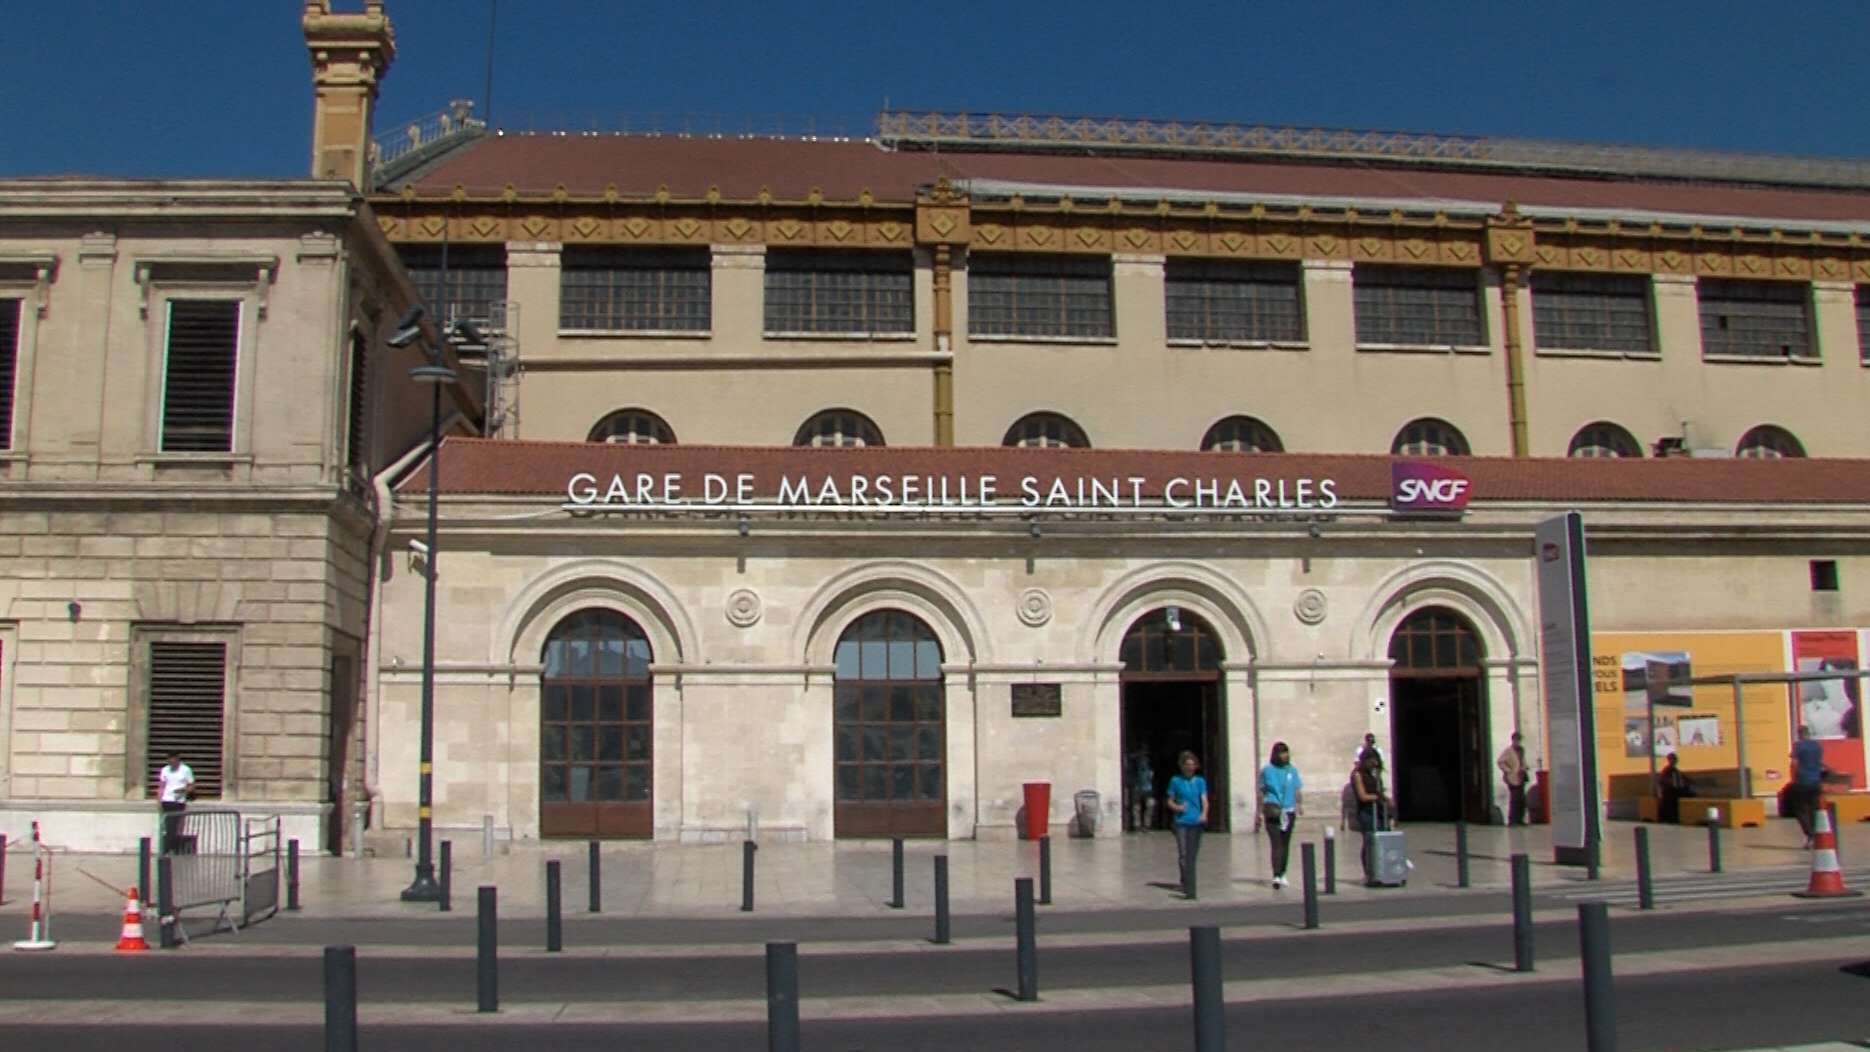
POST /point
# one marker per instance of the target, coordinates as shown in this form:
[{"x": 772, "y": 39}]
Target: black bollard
[
  {"x": 554, "y": 919},
  {"x": 165, "y": 904},
  {"x": 941, "y": 900},
  {"x": 445, "y": 902},
  {"x": 1331, "y": 862},
  {"x": 1714, "y": 840},
  {"x": 1522, "y": 913},
  {"x": 896, "y": 873},
  {"x": 1460, "y": 855},
  {"x": 782, "y": 997},
  {"x": 292, "y": 876},
  {"x": 1593, "y": 860},
  {"x": 1204, "y": 967},
  {"x": 1045, "y": 871},
  {"x": 487, "y": 970},
  {"x": 1027, "y": 956},
  {"x": 597, "y": 882},
  {"x": 340, "y": 999},
  {"x": 1645, "y": 894},
  {"x": 1308, "y": 866},
  {"x": 747, "y": 848},
  {"x": 144, "y": 887},
  {"x": 1600, "y": 1007}
]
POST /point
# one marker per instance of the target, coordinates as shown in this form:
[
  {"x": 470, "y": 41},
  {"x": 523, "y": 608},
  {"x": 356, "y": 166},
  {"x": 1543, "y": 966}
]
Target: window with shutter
[
  {"x": 1417, "y": 306},
  {"x": 9, "y": 367},
  {"x": 199, "y": 368},
  {"x": 187, "y": 711},
  {"x": 357, "y": 450}
]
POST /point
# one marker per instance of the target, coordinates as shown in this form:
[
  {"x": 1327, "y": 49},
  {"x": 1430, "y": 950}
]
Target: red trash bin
[
  {"x": 1038, "y": 808},
  {"x": 1539, "y": 799}
]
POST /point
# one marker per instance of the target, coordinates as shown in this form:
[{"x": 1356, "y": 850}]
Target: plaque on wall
[{"x": 1037, "y": 699}]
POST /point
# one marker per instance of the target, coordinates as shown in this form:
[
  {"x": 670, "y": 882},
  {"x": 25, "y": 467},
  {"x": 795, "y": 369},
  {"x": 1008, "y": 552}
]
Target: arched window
[
  {"x": 1046, "y": 431},
  {"x": 1429, "y": 437},
  {"x": 1435, "y": 640},
  {"x": 1157, "y": 644},
  {"x": 1767, "y": 442},
  {"x": 838, "y": 427},
  {"x": 888, "y": 729},
  {"x": 1241, "y": 434},
  {"x": 1603, "y": 439},
  {"x": 638, "y": 427},
  {"x": 596, "y": 714}
]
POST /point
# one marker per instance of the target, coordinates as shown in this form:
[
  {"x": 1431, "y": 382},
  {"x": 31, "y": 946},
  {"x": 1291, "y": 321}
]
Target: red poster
[{"x": 1832, "y": 709}]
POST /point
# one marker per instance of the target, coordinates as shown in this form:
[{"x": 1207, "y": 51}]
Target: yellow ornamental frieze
[
  {"x": 1186, "y": 240},
  {"x": 487, "y": 228},
  {"x": 990, "y": 234},
  {"x": 1863, "y": 270},
  {"x": 1829, "y": 269},
  {"x": 1552, "y": 256},
  {"x": 432, "y": 225},
  {"x": 1283, "y": 246},
  {"x": 1234, "y": 243},
  {"x": 1630, "y": 259},
  {"x": 1416, "y": 250},
  {"x": 836, "y": 232},
  {"x": 787, "y": 229},
  {"x": 1367, "y": 248},
  {"x": 1673, "y": 262},
  {"x": 1752, "y": 266},
  {"x": 392, "y": 226},
  {"x": 738, "y": 228},
  {"x": 586, "y": 228},
  {"x": 942, "y": 226},
  {"x": 539, "y": 228},
  {"x": 1587, "y": 257},
  {"x": 1794, "y": 267},
  {"x": 688, "y": 228},
  {"x": 1460, "y": 251},
  {"x": 890, "y": 232},
  {"x": 1324, "y": 246},
  {"x": 1512, "y": 243},
  {"x": 1041, "y": 237},
  {"x": 1090, "y": 238},
  {"x": 1715, "y": 263},
  {"x": 1136, "y": 239},
  {"x": 636, "y": 228}
]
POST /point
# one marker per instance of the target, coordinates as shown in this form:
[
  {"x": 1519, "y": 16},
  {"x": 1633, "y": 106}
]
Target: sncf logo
[{"x": 1427, "y": 487}]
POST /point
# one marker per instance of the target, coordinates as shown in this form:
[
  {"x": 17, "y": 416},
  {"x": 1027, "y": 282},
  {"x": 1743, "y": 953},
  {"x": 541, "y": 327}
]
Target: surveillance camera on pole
[{"x": 408, "y": 328}]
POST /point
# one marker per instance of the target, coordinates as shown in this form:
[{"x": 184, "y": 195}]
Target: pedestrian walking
[
  {"x": 1279, "y": 806},
  {"x": 1808, "y": 779},
  {"x": 1188, "y": 802},
  {"x": 1672, "y": 783},
  {"x": 1513, "y": 772},
  {"x": 1371, "y": 811},
  {"x": 1142, "y": 791},
  {"x": 174, "y": 784}
]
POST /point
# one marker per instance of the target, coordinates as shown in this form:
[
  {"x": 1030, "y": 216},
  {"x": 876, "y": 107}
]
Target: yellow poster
[{"x": 1696, "y": 723}]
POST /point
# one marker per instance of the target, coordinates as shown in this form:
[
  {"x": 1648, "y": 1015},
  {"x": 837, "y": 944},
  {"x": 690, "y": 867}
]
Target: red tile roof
[
  {"x": 542, "y": 469},
  {"x": 639, "y": 165}
]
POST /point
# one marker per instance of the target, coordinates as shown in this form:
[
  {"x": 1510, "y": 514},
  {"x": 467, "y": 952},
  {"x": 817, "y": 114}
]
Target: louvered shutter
[
  {"x": 9, "y": 367},
  {"x": 357, "y": 457},
  {"x": 198, "y": 380},
  {"x": 187, "y": 711}
]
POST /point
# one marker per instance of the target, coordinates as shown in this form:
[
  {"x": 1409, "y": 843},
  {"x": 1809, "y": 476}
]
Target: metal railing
[
  {"x": 217, "y": 860},
  {"x": 396, "y": 152},
  {"x": 898, "y": 129}
]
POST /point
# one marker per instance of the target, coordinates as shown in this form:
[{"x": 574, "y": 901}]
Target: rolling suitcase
[{"x": 1391, "y": 862}]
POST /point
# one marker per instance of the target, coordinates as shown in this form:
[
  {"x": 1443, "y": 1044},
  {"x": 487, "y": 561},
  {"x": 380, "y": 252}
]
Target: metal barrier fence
[{"x": 217, "y": 860}]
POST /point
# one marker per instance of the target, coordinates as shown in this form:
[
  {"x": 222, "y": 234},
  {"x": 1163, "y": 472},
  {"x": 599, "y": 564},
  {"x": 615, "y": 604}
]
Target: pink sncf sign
[{"x": 1427, "y": 487}]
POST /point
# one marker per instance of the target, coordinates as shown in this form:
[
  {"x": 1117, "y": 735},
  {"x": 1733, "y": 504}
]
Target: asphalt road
[
  {"x": 1701, "y": 1012},
  {"x": 535, "y": 977}
]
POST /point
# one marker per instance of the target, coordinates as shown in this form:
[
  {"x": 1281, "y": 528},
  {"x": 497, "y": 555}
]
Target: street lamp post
[{"x": 425, "y": 888}]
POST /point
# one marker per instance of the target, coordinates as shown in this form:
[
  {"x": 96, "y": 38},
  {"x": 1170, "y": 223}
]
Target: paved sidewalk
[{"x": 852, "y": 878}]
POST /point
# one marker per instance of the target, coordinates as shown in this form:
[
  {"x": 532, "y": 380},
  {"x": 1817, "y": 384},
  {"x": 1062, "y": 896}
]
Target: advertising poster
[
  {"x": 1668, "y": 672},
  {"x": 1698, "y": 730},
  {"x": 1831, "y": 709}
]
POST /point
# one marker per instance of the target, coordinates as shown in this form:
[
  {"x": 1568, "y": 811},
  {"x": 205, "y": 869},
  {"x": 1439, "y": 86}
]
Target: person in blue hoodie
[
  {"x": 1188, "y": 802},
  {"x": 1279, "y": 806}
]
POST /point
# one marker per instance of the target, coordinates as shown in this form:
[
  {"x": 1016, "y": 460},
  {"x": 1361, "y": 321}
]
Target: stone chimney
[{"x": 350, "y": 53}]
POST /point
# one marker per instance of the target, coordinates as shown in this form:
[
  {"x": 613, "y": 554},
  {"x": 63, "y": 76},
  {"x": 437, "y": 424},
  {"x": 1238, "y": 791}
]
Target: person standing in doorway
[
  {"x": 1188, "y": 802},
  {"x": 1368, "y": 782},
  {"x": 174, "y": 783},
  {"x": 1808, "y": 780},
  {"x": 1279, "y": 807},
  {"x": 1512, "y": 764},
  {"x": 1142, "y": 791}
]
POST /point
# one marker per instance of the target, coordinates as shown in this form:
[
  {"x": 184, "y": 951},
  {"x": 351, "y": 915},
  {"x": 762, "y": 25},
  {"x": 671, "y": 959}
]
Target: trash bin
[
  {"x": 1087, "y": 803},
  {"x": 1038, "y": 808},
  {"x": 1539, "y": 798}
]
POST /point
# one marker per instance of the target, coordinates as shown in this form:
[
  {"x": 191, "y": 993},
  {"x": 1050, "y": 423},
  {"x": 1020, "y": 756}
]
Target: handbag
[{"x": 1271, "y": 814}]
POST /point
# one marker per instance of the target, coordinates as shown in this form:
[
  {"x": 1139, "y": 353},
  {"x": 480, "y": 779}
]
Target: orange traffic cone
[
  {"x": 131, "y": 941},
  {"x": 1827, "y": 877}
]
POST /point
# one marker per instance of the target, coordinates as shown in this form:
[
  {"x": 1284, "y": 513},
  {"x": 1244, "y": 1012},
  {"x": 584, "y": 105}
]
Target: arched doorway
[
  {"x": 888, "y": 729},
  {"x": 596, "y": 714},
  {"x": 1172, "y": 700},
  {"x": 1438, "y": 720}
]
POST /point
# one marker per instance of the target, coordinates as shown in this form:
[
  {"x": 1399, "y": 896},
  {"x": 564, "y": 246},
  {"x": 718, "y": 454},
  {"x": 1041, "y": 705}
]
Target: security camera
[
  {"x": 466, "y": 333},
  {"x": 408, "y": 328},
  {"x": 418, "y": 547}
]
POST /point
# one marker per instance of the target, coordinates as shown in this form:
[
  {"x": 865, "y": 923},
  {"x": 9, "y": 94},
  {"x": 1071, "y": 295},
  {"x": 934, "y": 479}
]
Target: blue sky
[{"x": 222, "y": 88}]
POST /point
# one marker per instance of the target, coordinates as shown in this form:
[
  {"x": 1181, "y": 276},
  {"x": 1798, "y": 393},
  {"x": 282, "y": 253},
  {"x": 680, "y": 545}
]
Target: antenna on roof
[{"x": 493, "y": 17}]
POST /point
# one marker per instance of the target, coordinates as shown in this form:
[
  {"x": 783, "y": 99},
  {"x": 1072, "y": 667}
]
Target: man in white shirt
[{"x": 174, "y": 784}]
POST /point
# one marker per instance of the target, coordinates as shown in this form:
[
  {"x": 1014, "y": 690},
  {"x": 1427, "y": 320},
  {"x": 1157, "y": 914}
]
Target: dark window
[
  {"x": 1603, "y": 439},
  {"x": 9, "y": 367},
  {"x": 1241, "y": 434},
  {"x": 1224, "y": 302},
  {"x": 187, "y": 710},
  {"x": 357, "y": 447},
  {"x": 1156, "y": 644},
  {"x": 1824, "y": 575},
  {"x": 888, "y": 726},
  {"x": 1863, "y": 326},
  {"x": 842, "y": 293},
  {"x": 198, "y": 376},
  {"x": 1754, "y": 319},
  {"x": 476, "y": 282},
  {"x": 1046, "y": 431},
  {"x": 1058, "y": 297},
  {"x": 638, "y": 427},
  {"x": 1767, "y": 442},
  {"x": 636, "y": 290},
  {"x": 1591, "y": 312},
  {"x": 1417, "y": 306},
  {"x": 838, "y": 427},
  {"x": 1435, "y": 640},
  {"x": 1430, "y": 437},
  {"x": 595, "y": 716}
]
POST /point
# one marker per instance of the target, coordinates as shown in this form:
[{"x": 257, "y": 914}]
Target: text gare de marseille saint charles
[{"x": 585, "y": 490}]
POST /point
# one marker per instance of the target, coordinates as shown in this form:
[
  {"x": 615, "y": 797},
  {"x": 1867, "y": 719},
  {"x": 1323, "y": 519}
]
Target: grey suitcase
[{"x": 1390, "y": 862}]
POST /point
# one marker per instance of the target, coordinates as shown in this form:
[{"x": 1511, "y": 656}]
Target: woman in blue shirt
[
  {"x": 1279, "y": 807},
  {"x": 1188, "y": 801}
]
